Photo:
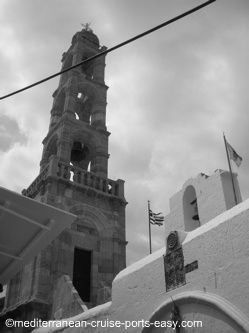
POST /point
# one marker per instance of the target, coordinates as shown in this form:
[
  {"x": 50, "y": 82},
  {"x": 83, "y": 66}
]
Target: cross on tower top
[{"x": 86, "y": 27}]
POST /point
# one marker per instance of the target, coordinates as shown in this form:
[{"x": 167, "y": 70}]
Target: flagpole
[
  {"x": 149, "y": 227},
  {"x": 230, "y": 169}
]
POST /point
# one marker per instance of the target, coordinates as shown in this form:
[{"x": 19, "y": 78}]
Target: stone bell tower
[{"x": 74, "y": 177}]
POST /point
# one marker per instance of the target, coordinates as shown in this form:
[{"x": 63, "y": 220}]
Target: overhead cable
[{"x": 176, "y": 18}]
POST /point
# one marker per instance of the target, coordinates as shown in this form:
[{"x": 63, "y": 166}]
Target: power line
[{"x": 176, "y": 18}]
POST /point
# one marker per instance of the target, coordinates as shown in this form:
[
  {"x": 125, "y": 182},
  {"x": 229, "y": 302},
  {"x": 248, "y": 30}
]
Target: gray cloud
[
  {"x": 171, "y": 95},
  {"x": 10, "y": 133}
]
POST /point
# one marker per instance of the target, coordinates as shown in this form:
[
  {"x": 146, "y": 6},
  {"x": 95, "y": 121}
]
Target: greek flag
[
  {"x": 233, "y": 155},
  {"x": 156, "y": 218}
]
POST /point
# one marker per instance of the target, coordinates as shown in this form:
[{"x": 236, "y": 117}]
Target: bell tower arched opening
[
  {"x": 80, "y": 155},
  {"x": 84, "y": 104},
  {"x": 190, "y": 209},
  {"x": 87, "y": 68}
]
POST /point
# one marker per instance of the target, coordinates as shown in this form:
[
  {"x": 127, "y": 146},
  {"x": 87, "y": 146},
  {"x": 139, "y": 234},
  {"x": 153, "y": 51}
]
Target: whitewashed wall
[{"x": 216, "y": 292}]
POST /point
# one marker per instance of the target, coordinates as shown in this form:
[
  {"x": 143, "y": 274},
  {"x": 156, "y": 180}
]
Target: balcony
[{"x": 57, "y": 170}]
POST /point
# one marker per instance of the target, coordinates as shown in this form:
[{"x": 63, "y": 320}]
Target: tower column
[
  {"x": 99, "y": 67},
  {"x": 55, "y": 116},
  {"x": 64, "y": 150},
  {"x": 99, "y": 115},
  {"x": 77, "y": 56},
  {"x": 99, "y": 164},
  {"x": 70, "y": 100}
]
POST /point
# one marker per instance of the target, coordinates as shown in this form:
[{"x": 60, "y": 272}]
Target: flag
[
  {"x": 156, "y": 218},
  {"x": 233, "y": 155}
]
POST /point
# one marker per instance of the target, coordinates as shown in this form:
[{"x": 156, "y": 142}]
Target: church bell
[{"x": 78, "y": 152}]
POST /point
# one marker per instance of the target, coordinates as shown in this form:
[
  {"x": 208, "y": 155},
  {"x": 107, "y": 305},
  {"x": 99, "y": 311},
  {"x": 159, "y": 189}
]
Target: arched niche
[
  {"x": 216, "y": 314},
  {"x": 190, "y": 209},
  {"x": 91, "y": 216},
  {"x": 89, "y": 146},
  {"x": 87, "y": 137}
]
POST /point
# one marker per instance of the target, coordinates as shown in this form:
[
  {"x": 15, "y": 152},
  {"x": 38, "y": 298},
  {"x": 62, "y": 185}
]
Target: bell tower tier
[
  {"x": 74, "y": 177},
  {"x": 77, "y": 132}
]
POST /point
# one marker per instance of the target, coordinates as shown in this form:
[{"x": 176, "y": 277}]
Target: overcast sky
[{"x": 170, "y": 97}]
